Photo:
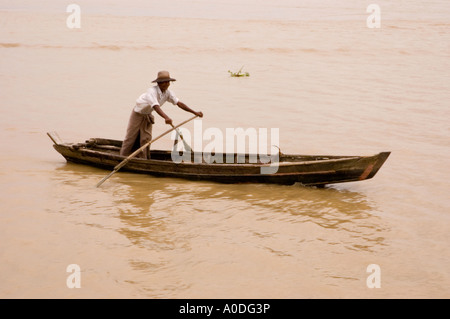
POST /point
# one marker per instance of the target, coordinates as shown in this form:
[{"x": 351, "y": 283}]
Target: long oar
[
  {"x": 186, "y": 145},
  {"x": 125, "y": 161}
]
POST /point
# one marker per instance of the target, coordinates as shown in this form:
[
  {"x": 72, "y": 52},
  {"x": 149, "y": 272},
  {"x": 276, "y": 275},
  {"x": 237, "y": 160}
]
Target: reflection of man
[{"x": 139, "y": 131}]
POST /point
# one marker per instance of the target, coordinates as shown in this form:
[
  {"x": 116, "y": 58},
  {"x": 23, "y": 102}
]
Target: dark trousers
[{"x": 139, "y": 132}]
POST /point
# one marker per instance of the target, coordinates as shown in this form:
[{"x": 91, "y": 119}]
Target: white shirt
[{"x": 154, "y": 96}]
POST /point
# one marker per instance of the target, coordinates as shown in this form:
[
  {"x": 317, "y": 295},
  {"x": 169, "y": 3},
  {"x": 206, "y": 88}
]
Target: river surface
[{"x": 318, "y": 73}]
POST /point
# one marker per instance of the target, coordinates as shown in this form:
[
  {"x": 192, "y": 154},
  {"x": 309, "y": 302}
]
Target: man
[{"x": 139, "y": 131}]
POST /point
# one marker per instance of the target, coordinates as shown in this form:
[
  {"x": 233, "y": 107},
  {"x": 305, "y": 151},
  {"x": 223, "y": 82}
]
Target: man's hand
[
  {"x": 199, "y": 114},
  {"x": 169, "y": 121}
]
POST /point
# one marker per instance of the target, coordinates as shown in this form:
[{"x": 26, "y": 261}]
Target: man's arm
[
  {"x": 158, "y": 110},
  {"x": 183, "y": 106}
]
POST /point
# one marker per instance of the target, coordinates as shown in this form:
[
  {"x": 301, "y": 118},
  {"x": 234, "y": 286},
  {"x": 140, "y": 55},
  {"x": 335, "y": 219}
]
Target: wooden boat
[{"x": 311, "y": 170}]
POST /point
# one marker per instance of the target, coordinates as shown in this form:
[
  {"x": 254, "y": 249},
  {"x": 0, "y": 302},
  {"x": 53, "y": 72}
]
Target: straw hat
[{"x": 163, "y": 76}]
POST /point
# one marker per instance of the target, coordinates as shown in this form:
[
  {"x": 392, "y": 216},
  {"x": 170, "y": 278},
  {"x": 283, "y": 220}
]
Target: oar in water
[{"x": 125, "y": 161}]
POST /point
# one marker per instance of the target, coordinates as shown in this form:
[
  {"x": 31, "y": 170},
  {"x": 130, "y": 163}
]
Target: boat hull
[{"x": 291, "y": 169}]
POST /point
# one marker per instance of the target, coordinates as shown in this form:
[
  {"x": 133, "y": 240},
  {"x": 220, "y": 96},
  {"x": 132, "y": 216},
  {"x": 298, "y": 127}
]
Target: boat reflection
[
  {"x": 151, "y": 209},
  {"x": 150, "y": 205}
]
